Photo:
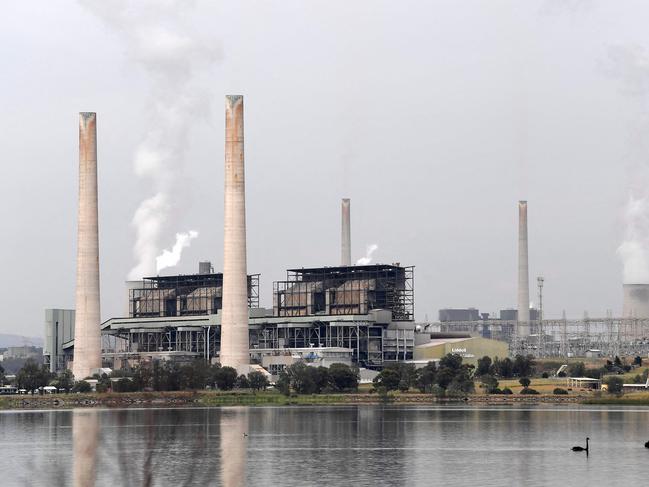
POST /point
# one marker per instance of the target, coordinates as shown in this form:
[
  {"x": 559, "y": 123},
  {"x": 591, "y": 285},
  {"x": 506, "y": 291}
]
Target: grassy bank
[{"x": 629, "y": 399}]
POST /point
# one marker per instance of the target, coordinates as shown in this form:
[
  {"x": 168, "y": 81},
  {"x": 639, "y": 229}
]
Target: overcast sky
[{"x": 433, "y": 117}]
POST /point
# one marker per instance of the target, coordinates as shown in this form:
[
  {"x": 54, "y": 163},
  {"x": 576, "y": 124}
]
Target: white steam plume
[
  {"x": 164, "y": 45},
  {"x": 630, "y": 65},
  {"x": 369, "y": 250},
  {"x": 170, "y": 258}
]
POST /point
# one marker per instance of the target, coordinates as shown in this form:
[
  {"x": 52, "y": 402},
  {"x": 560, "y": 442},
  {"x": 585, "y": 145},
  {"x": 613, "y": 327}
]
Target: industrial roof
[
  {"x": 441, "y": 341},
  {"x": 350, "y": 268}
]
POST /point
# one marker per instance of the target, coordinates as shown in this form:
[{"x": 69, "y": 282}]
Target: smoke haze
[
  {"x": 175, "y": 60},
  {"x": 629, "y": 64}
]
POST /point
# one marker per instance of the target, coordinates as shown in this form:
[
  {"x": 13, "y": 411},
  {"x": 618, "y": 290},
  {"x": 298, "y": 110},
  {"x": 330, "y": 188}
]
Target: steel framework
[
  {"x": 346, "y": 290},
  {"x": 563, "y": 337}
]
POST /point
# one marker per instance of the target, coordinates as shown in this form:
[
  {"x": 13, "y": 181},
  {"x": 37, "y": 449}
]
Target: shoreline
[{"x": 215, "y": 399}]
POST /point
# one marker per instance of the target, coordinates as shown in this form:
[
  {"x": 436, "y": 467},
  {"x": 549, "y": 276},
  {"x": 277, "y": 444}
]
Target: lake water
[{"x": 333, "y": 446}]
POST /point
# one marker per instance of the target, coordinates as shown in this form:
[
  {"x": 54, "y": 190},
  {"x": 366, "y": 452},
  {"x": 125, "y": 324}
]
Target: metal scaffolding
[
  {"x": 184, "y": 295},
  {"x": 346, "y": 290}
]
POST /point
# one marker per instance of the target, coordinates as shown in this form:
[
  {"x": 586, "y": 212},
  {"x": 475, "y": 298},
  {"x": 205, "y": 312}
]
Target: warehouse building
[{"x": 470, "y": 348}]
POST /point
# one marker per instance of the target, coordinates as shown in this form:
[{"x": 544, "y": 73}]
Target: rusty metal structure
[
  {"x": 183, "y": 295},
  {"x": 346, "y": 290},
  {"x": 368, "y": 310}
]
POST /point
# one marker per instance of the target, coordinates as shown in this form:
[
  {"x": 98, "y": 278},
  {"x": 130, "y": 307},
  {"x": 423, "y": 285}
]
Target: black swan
[{"x": 581, "y": 448}]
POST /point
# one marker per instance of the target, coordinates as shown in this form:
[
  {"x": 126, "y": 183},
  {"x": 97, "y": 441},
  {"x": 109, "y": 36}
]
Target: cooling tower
[
  {"x": 346, "y": 243},
  {"x": 234, "y": 317},
  {"x": 636, "y": 301},
  {"x": 87, "y": 343},
  {"x": 523, "y": 328}
]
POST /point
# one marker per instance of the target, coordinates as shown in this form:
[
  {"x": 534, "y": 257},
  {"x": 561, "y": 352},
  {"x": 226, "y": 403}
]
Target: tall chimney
[
  {"x": 346, "y": 243},
  {"x": 523, "y": 273},
  {"x": 87, "y": 344},
  {"x": 234, "y": 318}
]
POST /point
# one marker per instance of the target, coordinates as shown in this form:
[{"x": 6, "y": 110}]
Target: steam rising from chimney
[
  {"x": 630, "y": 65},
  {"x": 369, "y": 251},
  {"x": 176, "y": 61},
  {"x": 170, "y": 258}
]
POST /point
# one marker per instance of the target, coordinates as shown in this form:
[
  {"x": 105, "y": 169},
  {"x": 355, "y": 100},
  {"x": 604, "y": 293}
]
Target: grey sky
[{"x": 433, "y": 117}]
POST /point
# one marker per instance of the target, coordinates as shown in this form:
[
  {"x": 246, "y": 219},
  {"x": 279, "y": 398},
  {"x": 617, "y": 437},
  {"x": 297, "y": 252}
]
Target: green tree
[
  {"x": 2, "y": 375},
  {"x": 637, "y": 361},
  {"x": 225, "y": 377},
  {"x": 124, "y": 384},
  {"x": 82, "y": 386},
  {"x": 65, "y": 380},
  {"x": 142, "y": 377},
  {"x": 426, "y": 377},
  {"x": 242, "y": 382},
  {"x": 258, "y": 380},
  {"x": 343, "y": 377},
  {"x": 504, "y": 368},
  {"x": 523, "y": 366},
  {"x": 489, "y": 383},
  {"x": 32, "y": 376},
  {"x": 525, "y": 382},
  {"x": 484, "y": 366},
  {"x": 321, "y": 379},
  {"x": 103, "y": 383},
  {"x": 388, "y": 379},
  {"x": 451, "y": 361},
  {"x": 577, "y": 369},
  {"x": 283, "y": 383},
  {"x": 614, "y": 384}
]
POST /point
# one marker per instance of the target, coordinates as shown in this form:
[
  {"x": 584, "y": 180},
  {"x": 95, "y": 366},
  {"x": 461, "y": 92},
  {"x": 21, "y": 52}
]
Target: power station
[{"x": 360, "y": 314}]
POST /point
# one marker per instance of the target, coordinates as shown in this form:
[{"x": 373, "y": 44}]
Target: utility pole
[{"x": 539, "y": 281}]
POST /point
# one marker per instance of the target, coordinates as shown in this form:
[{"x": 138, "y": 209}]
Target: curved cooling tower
[{"x": 636, "y": 301}]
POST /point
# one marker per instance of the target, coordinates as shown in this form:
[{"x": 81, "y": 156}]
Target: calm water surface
[{"x": 303, "y": 446}]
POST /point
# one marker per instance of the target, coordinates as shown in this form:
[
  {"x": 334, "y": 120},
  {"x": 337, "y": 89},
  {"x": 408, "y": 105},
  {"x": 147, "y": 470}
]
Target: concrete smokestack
[
  {"x": 87, "y": 344},
  {"x": 234, "y": 318},
  {"x": 346, "y": 242},
  {"x": 523, "y": 273}
]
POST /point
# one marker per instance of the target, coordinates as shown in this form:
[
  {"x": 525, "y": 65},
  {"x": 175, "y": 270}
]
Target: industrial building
[
  {"x": 364, "y": 312},
  {"x": 59, "y": 339},
  {"x": 470, "y": 348}
]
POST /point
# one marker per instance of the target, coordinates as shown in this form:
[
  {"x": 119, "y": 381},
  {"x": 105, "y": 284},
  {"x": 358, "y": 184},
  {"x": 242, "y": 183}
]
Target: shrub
[
  {"x": 242, "y": 382},
  {"x": 258, "y": 380},
  {"x": 614, "y": 384},
  {"x": 507, "y": 390},
  {"x": 525, "y": 382},
  {"x": 527, "y": 390},
  {"x": 559, "y": 391},
  {"x": 545, "y": 375},
  {"x": 82, "y": 386}
]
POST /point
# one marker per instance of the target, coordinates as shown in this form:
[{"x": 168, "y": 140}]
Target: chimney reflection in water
[
  {"x": 85, "y": 439},
  {"x": 234, "y": 439}
]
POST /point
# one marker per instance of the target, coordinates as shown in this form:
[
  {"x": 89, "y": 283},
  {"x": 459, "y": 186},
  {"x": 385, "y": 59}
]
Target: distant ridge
[{"x": 19, "y": 340}]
